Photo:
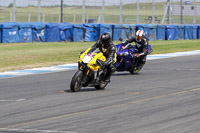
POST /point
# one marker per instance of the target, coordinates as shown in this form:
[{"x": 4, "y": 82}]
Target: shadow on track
[
  {"x": 123, "y": 74},
  {"x": 82, "y": 90}
]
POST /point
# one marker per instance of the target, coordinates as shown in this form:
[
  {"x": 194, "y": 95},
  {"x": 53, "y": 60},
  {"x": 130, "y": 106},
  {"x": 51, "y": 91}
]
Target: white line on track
[
  {"x": 53, "y": 69},
  {"x": 33, "y": 130},
  {"x": 18, "y": 100}
]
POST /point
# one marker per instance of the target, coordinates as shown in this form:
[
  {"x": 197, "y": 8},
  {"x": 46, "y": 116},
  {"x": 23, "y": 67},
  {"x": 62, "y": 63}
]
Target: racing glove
[
  {"x": 101, "y": 64},
  {"x": 136, "y": 55}
]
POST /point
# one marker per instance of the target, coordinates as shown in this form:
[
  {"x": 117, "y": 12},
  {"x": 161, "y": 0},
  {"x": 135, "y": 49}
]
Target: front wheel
[{"x": 76, "y": 84}]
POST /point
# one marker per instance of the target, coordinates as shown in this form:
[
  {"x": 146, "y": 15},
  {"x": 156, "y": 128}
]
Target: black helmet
[{"x": 105, "y": 39}]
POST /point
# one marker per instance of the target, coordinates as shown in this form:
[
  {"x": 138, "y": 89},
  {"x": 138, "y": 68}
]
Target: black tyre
[
  {"x": 131, "y": 71},
  {"x": 76, "y": 84},
  {"x": 101, "y": 86}
]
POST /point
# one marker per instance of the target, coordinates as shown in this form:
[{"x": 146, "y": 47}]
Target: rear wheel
[{"x": 76, "y": 84}]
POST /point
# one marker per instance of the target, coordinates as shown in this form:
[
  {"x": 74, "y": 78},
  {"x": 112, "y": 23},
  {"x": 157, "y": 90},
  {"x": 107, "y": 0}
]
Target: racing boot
[
  {"x": 135, "y": 70},
  {"x": 138, "y": 68},
  {"x": 108, "y": 76},
  {"x": 108, "y": 79}
]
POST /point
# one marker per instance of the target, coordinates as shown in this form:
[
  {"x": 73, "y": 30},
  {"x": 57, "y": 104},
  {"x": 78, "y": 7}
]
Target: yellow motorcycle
[{"x": 89, "y": 71}]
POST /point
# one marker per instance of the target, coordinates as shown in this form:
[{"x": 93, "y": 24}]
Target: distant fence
[
  {"x": 12, "y": 32},
  {"x": 101, "y": 11}
]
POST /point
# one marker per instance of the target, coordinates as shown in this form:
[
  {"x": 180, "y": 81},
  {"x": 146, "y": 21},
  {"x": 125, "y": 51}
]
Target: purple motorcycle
[{"x": 126, "y": 58}]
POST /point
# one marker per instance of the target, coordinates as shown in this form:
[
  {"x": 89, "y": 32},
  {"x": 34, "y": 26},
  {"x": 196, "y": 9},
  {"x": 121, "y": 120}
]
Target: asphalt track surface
[{"x": 163, "y": 98}]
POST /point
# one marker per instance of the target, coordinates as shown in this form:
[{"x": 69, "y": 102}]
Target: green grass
[
  {"x": 160, "y": 47},
  {"x": 28, "y": 55},
  {"x": 31, "y": 55}
]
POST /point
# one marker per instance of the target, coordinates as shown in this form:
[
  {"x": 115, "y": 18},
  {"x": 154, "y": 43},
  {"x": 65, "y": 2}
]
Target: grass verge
[{"x": 31, "y": 55}]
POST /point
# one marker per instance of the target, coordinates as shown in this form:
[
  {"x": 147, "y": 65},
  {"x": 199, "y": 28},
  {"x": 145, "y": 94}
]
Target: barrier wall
[
  {"x": 198, "y": 31},
  {"x": 160, "y": 32},
  {"x": 117, "y": 32},
  {"x": 56, "y": 32},
  {"x": 0, "y": 31},
  {"x": 190, "y": 32},
  {"x": 78, "y": 33},
  {"x": 38, "y": 32},
  {"x": 133, "y": 30},
  {"x": 65, "y": 32},
  {"x": 9, "y": 33},
  {"x": 152, "y": 32},
  {"x": 125, "y": 31},
  {"x": 25, "y": 32},
  {"x": 106, "y": 28},
  {"x": 91, "y": 32},
  {"x": 52, "y": 33},
  {"x": 180, "y": 32},
  {"x": 171, "y": 32}
]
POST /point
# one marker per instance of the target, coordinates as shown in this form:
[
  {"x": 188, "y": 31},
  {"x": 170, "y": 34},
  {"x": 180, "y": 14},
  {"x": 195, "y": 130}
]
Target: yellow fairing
[
  {"x": 115, "y": 57},
  {"x": 95, "y": 55},
  {"x": 83, "y": 54}
]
